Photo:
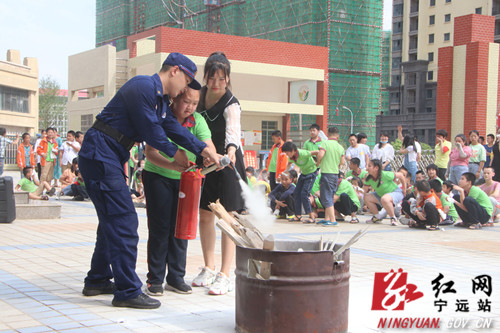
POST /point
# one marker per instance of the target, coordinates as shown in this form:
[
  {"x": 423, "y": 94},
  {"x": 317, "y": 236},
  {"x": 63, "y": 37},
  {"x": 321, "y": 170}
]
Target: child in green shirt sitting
[{"x": 33, "y": 186}]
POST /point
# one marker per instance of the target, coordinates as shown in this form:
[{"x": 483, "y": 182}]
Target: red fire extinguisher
[{"x": 188, "y": 205}]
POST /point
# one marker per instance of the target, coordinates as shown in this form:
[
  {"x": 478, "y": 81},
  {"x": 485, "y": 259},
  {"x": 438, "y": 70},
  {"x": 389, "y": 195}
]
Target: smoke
[{"x": 256, "y": 203}]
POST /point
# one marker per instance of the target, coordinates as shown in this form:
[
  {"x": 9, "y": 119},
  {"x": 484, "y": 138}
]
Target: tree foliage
[
  {"x": 396, "y": 144},
  {"x": 51, "y": 106}
]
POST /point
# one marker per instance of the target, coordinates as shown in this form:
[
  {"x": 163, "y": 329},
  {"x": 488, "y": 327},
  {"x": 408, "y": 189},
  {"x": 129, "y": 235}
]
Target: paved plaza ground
[{"x": 43, "y": 264}]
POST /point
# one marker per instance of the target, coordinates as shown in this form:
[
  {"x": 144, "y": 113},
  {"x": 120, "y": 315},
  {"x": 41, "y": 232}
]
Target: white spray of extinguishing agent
[{"x": 256, "y": 203}]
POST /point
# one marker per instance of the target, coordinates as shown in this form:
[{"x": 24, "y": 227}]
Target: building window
[
  {"x": 396, "y": 45},
  {"x": 398, "y": 10},
  {"x": 396, "y": 62},
  {"x": 394, "y": 98},
  {"x": 429, "y": 93},
  {"x": 86, "y": 121},
  {"x": 447, "y": 1},
  {"x": 431, "y": 38},
  {"x": 15, "y": 100},
  {"x": 411, "y": 110},
  {"x": 397, "y": 27},
  {"x": 430, "y": 75},
  {"x": 394, "y": 112},
  {"x": 447, "y": 36},
  {"x": 412, "y": 57},
  {"x": 396, "y": 80},
  {"x": 430, "y": 56},
  {"x": 447, "y": 18},
  {"x": 432, "y": 19},
  {"x": 268, "y": 127},
  {"x": 432, "y": 3},
  {"x": 479, "y": 10},
  {"x": 428, "y": 110}
]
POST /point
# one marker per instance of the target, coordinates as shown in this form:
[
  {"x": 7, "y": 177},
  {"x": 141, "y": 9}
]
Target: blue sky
[{"x": 52, "y": 30}]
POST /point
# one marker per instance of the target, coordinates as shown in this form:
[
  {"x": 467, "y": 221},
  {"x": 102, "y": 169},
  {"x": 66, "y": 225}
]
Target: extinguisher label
[{"x": 182, "y": 195}]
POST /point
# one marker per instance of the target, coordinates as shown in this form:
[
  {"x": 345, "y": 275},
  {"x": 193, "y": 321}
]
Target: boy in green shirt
[
  {"x": 330, "y": 157},
  {"x": 448, "y": 207},
  {"x": 315, "y": 141},
  {"x": 304, "y": 160},
  {"x": 472, "y": 204},
  {"x": 34, "y": 187},
  {"x": 355, "y": 170},
  {"x": 346, "y": 200}
]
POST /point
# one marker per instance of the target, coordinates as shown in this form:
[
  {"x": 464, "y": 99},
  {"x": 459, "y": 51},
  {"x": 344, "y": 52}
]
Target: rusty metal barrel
[{"x": 308, "y": 291}]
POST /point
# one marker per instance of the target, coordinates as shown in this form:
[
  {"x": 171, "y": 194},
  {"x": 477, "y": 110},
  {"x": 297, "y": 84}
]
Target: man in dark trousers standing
[{"x": 138, "y": 112}]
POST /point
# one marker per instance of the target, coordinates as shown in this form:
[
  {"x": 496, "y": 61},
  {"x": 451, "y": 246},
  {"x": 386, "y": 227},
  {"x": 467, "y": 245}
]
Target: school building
[{"x": 272, "y": 80}]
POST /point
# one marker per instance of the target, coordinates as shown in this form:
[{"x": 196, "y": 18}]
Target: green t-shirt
[
  {"x": 49, "y": 158},
  {"x": 482, "y": 199},
  {"x": 314, "y": 189},
  {"x": 346, "y": 187},
  {"x": 331, "y": 160},
  {"x": 200, "y": 130},
  {"x": 362, "y": 174},
  {"x": 27, "y": 185},
  {"x": 305, "y": 162},
  {"x": 387, "y": 183},
  {"x": 444, "y": 201},
  {"x": 478, "y": 153},
  {"x": 312, "y": 146},
  {"x": 438, "y": 179},
  {"x": 135, "y": 151},
  {"x": 274, "y": 160}
]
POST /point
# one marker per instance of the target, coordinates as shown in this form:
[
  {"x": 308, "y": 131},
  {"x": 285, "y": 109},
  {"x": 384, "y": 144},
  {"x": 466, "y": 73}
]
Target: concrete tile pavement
[{"x": 43, "y": 264}]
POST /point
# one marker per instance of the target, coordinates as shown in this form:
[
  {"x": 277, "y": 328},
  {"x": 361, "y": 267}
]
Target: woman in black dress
[
  {"x": 495, "y": 163},
  {"x": 222, "y": 112}
]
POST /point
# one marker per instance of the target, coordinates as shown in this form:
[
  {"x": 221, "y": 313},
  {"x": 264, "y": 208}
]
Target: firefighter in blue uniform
[{"x": 138, "y": 112}]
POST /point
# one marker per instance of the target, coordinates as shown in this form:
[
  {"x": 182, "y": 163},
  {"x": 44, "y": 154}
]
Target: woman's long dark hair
[
  {"x": 215, "y": 62},
  {"x": 408, "y": 140},
  {"x": 378, "y": 164}
]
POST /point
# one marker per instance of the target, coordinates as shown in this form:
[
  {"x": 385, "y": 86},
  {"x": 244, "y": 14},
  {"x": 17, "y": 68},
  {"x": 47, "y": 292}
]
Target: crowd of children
[{"x": 459, "y": 188}]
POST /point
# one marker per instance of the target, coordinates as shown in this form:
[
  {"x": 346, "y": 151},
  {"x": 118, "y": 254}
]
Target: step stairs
[{"x": 27, "y": 209}]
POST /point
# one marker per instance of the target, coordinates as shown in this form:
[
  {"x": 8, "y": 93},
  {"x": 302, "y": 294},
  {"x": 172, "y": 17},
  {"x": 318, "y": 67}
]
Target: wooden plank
[{"x": 265, "y": 266}]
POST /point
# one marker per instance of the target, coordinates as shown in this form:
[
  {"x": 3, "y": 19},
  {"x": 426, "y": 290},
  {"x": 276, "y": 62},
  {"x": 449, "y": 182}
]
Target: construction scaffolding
[
  {"x": 386, "y": 71},
  {"x": 350, "y": 29}
]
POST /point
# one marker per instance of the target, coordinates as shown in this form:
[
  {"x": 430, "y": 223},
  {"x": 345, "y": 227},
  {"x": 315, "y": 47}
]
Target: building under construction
[{"x": 350, "y": 29}]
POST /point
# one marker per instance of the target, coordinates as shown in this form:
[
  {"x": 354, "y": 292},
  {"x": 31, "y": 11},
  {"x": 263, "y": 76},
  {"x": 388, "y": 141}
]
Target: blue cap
[{"x": 186, "y": 65}]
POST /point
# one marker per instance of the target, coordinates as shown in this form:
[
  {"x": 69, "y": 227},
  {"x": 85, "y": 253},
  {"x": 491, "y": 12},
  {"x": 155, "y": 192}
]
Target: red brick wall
[
  {"x": 473, "y": 28},
  {"x": 476, "y": 87},
  {"x": 199, "y": 43},
  {"x": 444, "y": 88}
]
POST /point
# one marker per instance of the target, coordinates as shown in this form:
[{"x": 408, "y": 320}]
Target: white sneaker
[
  {"x": 205, "y": 278},
  {"x": 222, "y": 285},
  {"x": 58, "y": 194}
]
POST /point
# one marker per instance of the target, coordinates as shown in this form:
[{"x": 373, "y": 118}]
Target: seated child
[
  {"x": 357, "y": 184},
  {"x": 263, "y": 182},
  {"x": 78, "y": 188},
  {"x": 448, "y": 187},
  {"x": 346, "y": 201},
  {"x": 355, "y": 170},
  {"x": 426, "y": 211},
  {"x": 386, "y": 192},
  {"x": 492, "y": 189},
  {"x": 68, "y": 176},
  {"x": 446, "y": 201},
  {"x": 33, "y": 186},
  {"x": 281, "y": 197},
  {"x": 472, "y": 204},
  {"x": 432, "y": 172},
  {"x": 251, "y": 180}
]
